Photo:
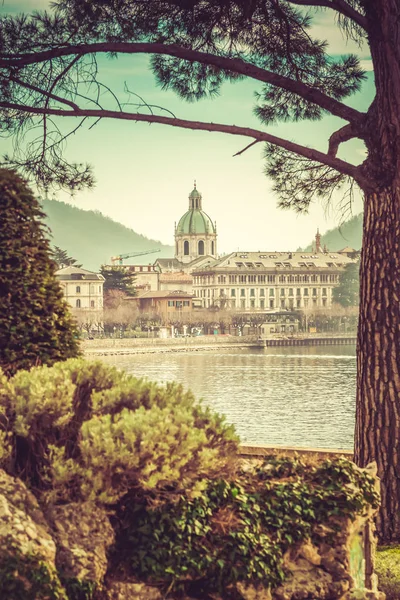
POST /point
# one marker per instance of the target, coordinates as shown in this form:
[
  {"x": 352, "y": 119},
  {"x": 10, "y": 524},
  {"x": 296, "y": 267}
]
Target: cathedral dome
[{"x": 195, "y": 220}]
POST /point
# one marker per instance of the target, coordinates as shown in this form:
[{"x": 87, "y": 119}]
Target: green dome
[{"x": 195, "y": 220}]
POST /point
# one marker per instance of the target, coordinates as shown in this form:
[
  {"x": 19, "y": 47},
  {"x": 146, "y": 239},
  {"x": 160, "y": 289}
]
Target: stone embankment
[
  {"x": 108, "y": 346},
  {"x": 118, "y": 346}
]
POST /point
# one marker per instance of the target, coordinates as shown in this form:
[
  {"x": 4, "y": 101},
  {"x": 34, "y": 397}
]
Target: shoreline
[
  {"x": 161, "y": 349},
  {"x": 131, "y": 346}
]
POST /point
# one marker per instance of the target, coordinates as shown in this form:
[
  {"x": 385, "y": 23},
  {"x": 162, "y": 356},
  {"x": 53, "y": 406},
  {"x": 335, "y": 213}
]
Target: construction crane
[{"x": 120, "y": 258}]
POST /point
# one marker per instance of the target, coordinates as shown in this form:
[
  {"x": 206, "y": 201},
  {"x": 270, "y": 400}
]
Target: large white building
[
  {"x": 259, "y": 281},
  {"x": 82, "y": 289}
]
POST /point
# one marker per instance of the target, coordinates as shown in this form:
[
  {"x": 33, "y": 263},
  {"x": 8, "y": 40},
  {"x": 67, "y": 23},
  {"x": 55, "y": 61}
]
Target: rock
[
  {"x": 27, "y": 550},
  {"x": 83, "y": 534},
  {"x": 301, "y": 585},
  {"x": 118, "y": 590},
  {"x": 250, "y": 592}
]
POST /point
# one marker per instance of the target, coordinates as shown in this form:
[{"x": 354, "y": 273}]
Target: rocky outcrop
[
  {"x": 40, "y": 553},
  {"x": 83, "y": 534},
  {"x": 27, "y": 550}
]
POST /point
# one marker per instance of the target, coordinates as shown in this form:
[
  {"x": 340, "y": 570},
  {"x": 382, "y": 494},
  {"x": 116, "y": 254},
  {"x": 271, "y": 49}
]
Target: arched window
[
  {"x": 212, "y": 248},
  {"x": 186, "y": 248},
  {"x": 201, "y": 247},
  {"x": 78, "y": 303},
  {"x": 78, "y": 289}
]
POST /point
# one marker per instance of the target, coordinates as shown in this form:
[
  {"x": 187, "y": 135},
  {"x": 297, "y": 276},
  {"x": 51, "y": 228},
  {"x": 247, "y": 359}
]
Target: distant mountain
[
  {"x": 91, "y": 238},
  {"x": 348, "y": 234}
]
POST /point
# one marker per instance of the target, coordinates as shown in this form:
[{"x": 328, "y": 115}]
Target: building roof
[
  {"x": 177, "y": 276},
  {"x": 165, "y": 294},
  {"x": 347, "y": 250},
  {"x": 278, "y": 261},
  {"x": 77, "y": 274},
  {"x": 195, "y": 221},
  {"x": 169, "y": 264}
]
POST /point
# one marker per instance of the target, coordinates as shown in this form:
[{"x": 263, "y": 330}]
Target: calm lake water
[{"x": 284, "y": 396}]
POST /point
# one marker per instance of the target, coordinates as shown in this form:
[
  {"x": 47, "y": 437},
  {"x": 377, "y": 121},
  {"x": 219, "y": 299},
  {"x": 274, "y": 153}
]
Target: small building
[
  {"x": 169, "y": 305},
  {"x": 82, "y": 289},
  {"x": 176, "y": 280},
  {"x": 145, "y": 276}
]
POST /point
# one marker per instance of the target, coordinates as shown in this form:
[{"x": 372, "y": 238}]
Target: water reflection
[{"x": 286, "y": 396}]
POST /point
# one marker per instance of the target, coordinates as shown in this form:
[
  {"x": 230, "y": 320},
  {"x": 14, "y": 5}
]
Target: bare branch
[
  {"x": 246, "y": 148},
  {"x": 260, "y": 136},
  {"x": 236, "y": 65},
  {"x": 64, "y": 72},
  {"x": 343, "y": 134},
  {"x": 339, "y": 6}
]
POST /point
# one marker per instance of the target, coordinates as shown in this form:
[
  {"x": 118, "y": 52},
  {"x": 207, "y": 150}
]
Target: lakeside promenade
[{"x": 122, "y": 346}]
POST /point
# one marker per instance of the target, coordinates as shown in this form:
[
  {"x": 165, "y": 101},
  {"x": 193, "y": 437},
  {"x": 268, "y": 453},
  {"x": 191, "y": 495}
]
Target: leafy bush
[
  {"x": 388, "y": 570},
  {"x": 239, "y": 530},
  {"x": 82, "y": 430},
  {"x": 35, "y": 323}
]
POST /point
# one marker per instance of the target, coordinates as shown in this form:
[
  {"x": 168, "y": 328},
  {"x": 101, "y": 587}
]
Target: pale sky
[{"x": 144, "y": 172}]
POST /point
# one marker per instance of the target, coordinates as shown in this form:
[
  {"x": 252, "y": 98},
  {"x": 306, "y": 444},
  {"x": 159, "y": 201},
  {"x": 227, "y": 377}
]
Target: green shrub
[
  {"x": 388, "y": 570},
  {"x": 239, "y": 530},
  {"x": 35, "y": 323},
  {"x": 82, "y": 430}
]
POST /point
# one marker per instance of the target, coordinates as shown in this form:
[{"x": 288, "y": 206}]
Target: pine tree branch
[
  {"x": 339, "y": 6},
  {"x": 48, "y": 95},
  {"x": 258, "y": 136},
  {"x": 237, "y": 65},
  {"x": 344, "y": 134}
]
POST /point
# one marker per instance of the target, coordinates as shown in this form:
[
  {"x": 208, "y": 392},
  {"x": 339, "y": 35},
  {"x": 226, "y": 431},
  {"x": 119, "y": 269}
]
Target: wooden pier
[{"x": 308, "y": 341}]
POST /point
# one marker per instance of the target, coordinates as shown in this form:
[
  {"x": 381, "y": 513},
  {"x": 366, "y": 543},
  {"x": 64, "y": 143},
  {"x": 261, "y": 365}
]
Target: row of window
[
  {"x": 290, "y": 303},
  {"x": 209, "y": 279},
  {"x": 78, "y": 304},
  {"x": 178, "y": 303},
  {"x": 91, "y": 289},
  {"x": 262, "y": 293}
]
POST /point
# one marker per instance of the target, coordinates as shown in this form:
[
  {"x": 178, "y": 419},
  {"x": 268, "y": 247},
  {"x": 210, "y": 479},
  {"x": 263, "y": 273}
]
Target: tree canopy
[
  {"x": 36, "y": 326},
  {"x": 194, "y": 46},
  {"x": 117, "y": 279}
]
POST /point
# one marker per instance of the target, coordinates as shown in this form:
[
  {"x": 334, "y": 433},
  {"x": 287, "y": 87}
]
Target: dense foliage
[
  {"x": 388, "y": 570},
  {"x": 35, "y": 324},
  {"x": 239, "y": 530},
  {"x": 347, "y": 293},
  {"x": 117, "y": 279},
  {"x": 82, "y": 430}
]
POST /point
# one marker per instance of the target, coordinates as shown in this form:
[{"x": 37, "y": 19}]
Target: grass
[{"x": 387, "y": 567}]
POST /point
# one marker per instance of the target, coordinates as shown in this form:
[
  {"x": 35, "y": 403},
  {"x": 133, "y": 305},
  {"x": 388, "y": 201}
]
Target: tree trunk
[{"x": 377, "y": 436}]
